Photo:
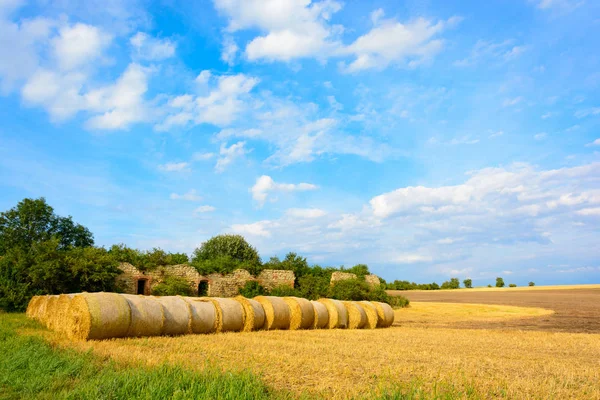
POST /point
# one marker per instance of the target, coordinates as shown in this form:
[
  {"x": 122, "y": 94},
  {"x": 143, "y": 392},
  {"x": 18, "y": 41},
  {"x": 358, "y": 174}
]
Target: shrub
[
  {"x": 313, "y": 287},
  {"x": 468, "y": 283},
  {"x": 489, "y": 285},
  {"x": 512, "y": 285},
  {"x": 234, "y": 247},
  {"x": 283, "y": 291},
  {"x": 499, "y": 282},
  {"x": 349, "y": 289},
  {"x": 531, "y": 283},
  {"x": 252, "y": 289},
  {"x": 173, "y": 286}
]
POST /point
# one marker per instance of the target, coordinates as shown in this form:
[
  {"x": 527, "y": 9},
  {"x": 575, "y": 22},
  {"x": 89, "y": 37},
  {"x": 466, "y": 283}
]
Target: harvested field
[
  {"x": 484, "y": 363},
  {"x": 576, "y": 310}
]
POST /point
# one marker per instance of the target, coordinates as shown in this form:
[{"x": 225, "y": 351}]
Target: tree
[
  {"x": 173, "y": 286},
  {"x": 454, "y": 283},
  {"x": 499, "y": 282},
  {"x": 468, "y": 283},
  {"x": 360, "y": 270},
  {"x": 531, "y": 283},
  {"x": 233, "y": 247},
  {"x": 33, "y": 221},
  {"x": 512, "y": 285}
]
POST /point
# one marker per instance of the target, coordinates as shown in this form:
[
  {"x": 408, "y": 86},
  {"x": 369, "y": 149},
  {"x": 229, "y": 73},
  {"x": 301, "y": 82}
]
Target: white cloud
[
  {"x": 496, "y": 134},
  {"x": 204, "y": 209},
  {"x": 305, "y": 213},
  {"x": 79, "y": 44},
  {"x": 221, "y": 107},
  {"x": 512, "y": 102},
  {"x": 152, "y": 49},
  {"x": 191, "y": 195},
  {"x": 594, "y": 143},
  {"x": 485, "y": 190},
  {"x": 291, "y": 28},
  {"x": 412, "y": 258},
  {"x": 590, "y": 211},
  {"x": 485, "y": 51},
  {"x": 587, "y": 112},
  {"x": 540, "y": 136},
  {"x": 175, "y": 167},
  {"x": 202, "y": 156},
  {"x": 230, "y": 50},
  {"x": 228, "y": 154},
  {"x": 259, "y": 228},
  {"x": 265, "y": 185},
  {"x": 567, "y": 5},
  {"x": 391, "y": 42},
  {"x": 121, "y": 103}
]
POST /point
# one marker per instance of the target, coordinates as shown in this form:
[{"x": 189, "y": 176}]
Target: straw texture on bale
[
  {"x": 371, "y": 312},
  {"x": 254, "y": 314},
  {"x": 40, "y": 309},
  {"x": 147, "y": 316},
  {"x": 302, "y": 313},
  {"x": 338, "y": 316},
  {"x": 177, "y": 315},
  {"x": 385, "y": 314},
  {"x": 357, "y": 317},
  {"x": 204, "y": 315},
  {"x": 277, "y": 312},
  {"x": 230, "y": 314},
  {"x": 50, "y": 319},
  {"x": 98, "y": 316},
  {"x": 322, "y": 315},
  {"x": 31, "y": 306},
  {"x": 60, "y": 312},
  {"x": 45, "y": 309}
]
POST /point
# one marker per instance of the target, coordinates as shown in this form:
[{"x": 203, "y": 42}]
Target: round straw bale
[
  {"x": 385, "y": 314},
  {"x": 61, "y": 309},
  {"x": 40, "y": 311},
  {"x": 177, "y": 315},
  {"x": 254, "y": 314},
  {"x": 371, "y": 312},
  {"x": 321, "y": 315},
  {"x": 357, "y": 317},
  {"x": 50, "y": 312},
  {"x": 277, "y": 312},
  {"x": 338, "y": 316},
  {"x": 147, "y": 316},
  {"x": 204, "y": 315},
  {"x": 98, "y": 316},
  {"x": 230, "y": 314},
  {"x": 32, "y": 306},
  {"x": 302, "y": 313}
]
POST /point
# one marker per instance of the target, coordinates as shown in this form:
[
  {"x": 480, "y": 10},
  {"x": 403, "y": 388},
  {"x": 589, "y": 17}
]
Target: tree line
[{"x": 44, "y": 253}]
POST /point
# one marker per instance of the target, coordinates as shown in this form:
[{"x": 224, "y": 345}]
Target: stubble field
[{"x": 435, "y": 349}]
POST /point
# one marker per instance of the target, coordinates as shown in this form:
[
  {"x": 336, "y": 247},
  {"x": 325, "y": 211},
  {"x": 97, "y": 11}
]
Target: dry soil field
[
  {"x": 577, "y": 309},
  {"x": 424, "y": 354}
]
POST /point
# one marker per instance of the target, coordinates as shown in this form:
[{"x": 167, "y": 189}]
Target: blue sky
[{"x": 427, "y": 139}]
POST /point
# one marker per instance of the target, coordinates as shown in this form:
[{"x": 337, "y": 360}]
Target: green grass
[{"x": 30, "y": 368}]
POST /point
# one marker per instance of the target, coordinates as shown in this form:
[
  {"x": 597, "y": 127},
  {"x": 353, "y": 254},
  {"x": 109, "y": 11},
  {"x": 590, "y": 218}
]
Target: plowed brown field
[{"x": 576, "y": 310}]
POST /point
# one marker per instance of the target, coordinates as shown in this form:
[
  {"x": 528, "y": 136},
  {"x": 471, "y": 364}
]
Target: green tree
[
  {"x": 252, "y": 289},
  {"x": 468, "y": 283},
  {"x": 499, "y": 282},
  {"x": 225, "y": 253},
  {"x": 454, "y": 283},
  {"x": 33, "y": 220},
  {"x": 172, "y": 286},
  {"x": 531, "y": 283},
  {"x": 360, "y": 270}
]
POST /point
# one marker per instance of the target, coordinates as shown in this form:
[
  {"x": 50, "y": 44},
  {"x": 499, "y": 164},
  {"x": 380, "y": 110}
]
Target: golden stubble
[{"x": 346, "y": 363}]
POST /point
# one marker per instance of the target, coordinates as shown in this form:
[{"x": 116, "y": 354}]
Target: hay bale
[
  {"x": 32, "y": 306},
  {"x": 302, "y": 313},
  {"x": 40, "y": 310},
  {"x": 204, "y": 315},
  {"x": 254, "y": 314},
  {"x": 98, "y": 316},
  {"x": 230, "y": 314},
  {"x": 385, "y": 314},
  {"x": 147, "y": 316},
  {"x": 61, "y": 310},
  {"x": 50, "y": 319},
  {"x": 277, "y": 312},
  {"x": 371, "y": 312},
  {"x": 357, "y": 317},
  {"x": 321, "y": 315},
  {"x": 338, "y": 316},
  {"x": 177, "y": 315}
]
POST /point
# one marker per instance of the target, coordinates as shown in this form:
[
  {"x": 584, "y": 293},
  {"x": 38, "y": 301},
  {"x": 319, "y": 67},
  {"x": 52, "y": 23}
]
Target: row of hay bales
[{"x": 111, "y": 315}]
